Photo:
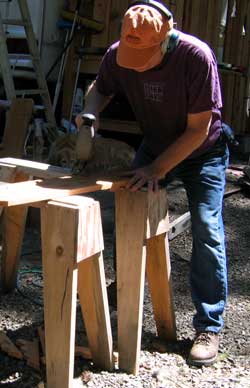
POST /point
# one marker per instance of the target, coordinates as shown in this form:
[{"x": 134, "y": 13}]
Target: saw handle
[{"x": 85, "y": 138}]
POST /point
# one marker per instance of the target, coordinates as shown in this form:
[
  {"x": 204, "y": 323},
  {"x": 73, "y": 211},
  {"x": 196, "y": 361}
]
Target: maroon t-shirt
[{"x": 185, "y": 82}]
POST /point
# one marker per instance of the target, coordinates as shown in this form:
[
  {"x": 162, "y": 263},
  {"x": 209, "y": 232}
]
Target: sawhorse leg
[
  {"x": 141, "y": 227},
  {"x": 72, "y": 241},
  {"x": 12, "y": 230}
]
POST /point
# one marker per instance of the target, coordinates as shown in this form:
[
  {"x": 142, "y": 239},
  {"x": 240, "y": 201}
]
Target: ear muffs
[{"x": 155, "y": 4}]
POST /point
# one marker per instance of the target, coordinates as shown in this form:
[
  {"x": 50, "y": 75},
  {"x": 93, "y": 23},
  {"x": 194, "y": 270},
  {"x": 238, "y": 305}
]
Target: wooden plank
[
  {"x": 18, "y": 120},
  {"x": 101, "y": 13},
  {"x": 44, "y": 190},
  {"x": 60, "y": 290},
  {"x": 37, "y": 169},
  {"x": 94, "y": 304},
  {"x": 131, "y": 212},
  {"x": 159, "y": 280}
]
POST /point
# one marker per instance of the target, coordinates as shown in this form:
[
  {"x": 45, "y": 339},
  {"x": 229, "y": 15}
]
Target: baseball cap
[{"x": 144, "y": 28}]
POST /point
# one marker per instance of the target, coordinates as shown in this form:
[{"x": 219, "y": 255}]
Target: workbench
[{"x": 72, "y": 246}]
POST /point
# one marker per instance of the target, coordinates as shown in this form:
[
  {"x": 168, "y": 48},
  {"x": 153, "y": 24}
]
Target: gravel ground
[{"x": 161, "y": 365}]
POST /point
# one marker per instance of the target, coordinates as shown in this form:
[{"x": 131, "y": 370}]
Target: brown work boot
[{"x": 205, "y": 349}]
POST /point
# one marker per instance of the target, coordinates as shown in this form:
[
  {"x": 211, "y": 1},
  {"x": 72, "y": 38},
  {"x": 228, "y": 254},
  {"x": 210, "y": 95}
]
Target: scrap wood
[
  {"x": 80, "y": 351},
  {"x": 8, "y": 347},
  {"x": 30, "y": 350},
  {"x": 84, "y": 352}
]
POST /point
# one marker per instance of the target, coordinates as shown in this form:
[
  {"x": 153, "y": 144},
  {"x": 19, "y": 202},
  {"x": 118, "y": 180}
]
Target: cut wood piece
[
  {"x": 44, "y": 190},
  {"x": 7, "y": 346},
  {"x": 84, "y": 352},
  {"x": 158, "y": 274},
  {"x": 18, "y": 119},
  {"x": 30, "y": 350},
  {"x": 88, "y": 228},
  {"x": 13, "y": 226},
  {"x": 94, "y": 304}
]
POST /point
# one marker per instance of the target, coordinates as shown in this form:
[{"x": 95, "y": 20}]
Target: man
[{"x": 171, "y": 82}]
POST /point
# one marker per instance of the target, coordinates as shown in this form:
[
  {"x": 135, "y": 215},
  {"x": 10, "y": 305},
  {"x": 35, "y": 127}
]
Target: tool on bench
[{"x": 85, "y": 142}]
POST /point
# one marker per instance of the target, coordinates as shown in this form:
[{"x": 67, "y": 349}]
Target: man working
[{"x": 171, "y": 82}]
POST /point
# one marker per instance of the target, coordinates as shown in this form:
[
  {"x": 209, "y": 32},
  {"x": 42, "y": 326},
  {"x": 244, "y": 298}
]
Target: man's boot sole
[{"x": 201, "y": 363}]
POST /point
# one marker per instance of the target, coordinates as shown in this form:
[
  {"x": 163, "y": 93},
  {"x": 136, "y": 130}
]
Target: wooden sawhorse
[
  {"x": 142, "y": 225},
  {"x": 72, "y": 244}
]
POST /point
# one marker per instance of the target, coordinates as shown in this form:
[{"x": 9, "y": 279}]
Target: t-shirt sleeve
[
  {"x": 106, "y": 80},
  {"x": 203, "y": 84}
]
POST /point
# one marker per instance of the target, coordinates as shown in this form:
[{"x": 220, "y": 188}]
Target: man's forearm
[
  {"x": 95, "y": 102},
  {"x": 188, "y": 142}
]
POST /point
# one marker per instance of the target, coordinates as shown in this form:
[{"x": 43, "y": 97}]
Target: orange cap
[{"x": 143, "y": 30}]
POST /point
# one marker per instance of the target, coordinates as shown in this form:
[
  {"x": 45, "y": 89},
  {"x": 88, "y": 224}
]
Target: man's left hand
[{"x": 145, "y": 176}]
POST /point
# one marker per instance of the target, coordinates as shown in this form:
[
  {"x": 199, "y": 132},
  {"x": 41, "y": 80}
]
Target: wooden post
[
  {"x": 60, "y": 290},
  {"x": 141, "y": 226}
]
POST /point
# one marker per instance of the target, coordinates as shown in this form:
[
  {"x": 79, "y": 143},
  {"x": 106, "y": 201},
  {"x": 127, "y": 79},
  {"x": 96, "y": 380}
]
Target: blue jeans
[{"x": 204, "y": 180}]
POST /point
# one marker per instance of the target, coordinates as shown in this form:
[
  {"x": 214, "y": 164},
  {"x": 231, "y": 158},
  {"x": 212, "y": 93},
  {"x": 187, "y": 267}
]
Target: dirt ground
[{"x": 164, "y": 365}]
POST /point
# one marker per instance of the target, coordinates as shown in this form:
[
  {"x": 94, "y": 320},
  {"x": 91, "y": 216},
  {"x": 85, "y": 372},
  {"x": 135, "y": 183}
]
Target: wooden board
[
  {"x": 18, "y": 120},
  {"x": 37, "y": 169},
  {"x": 43, "y": 190}
]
